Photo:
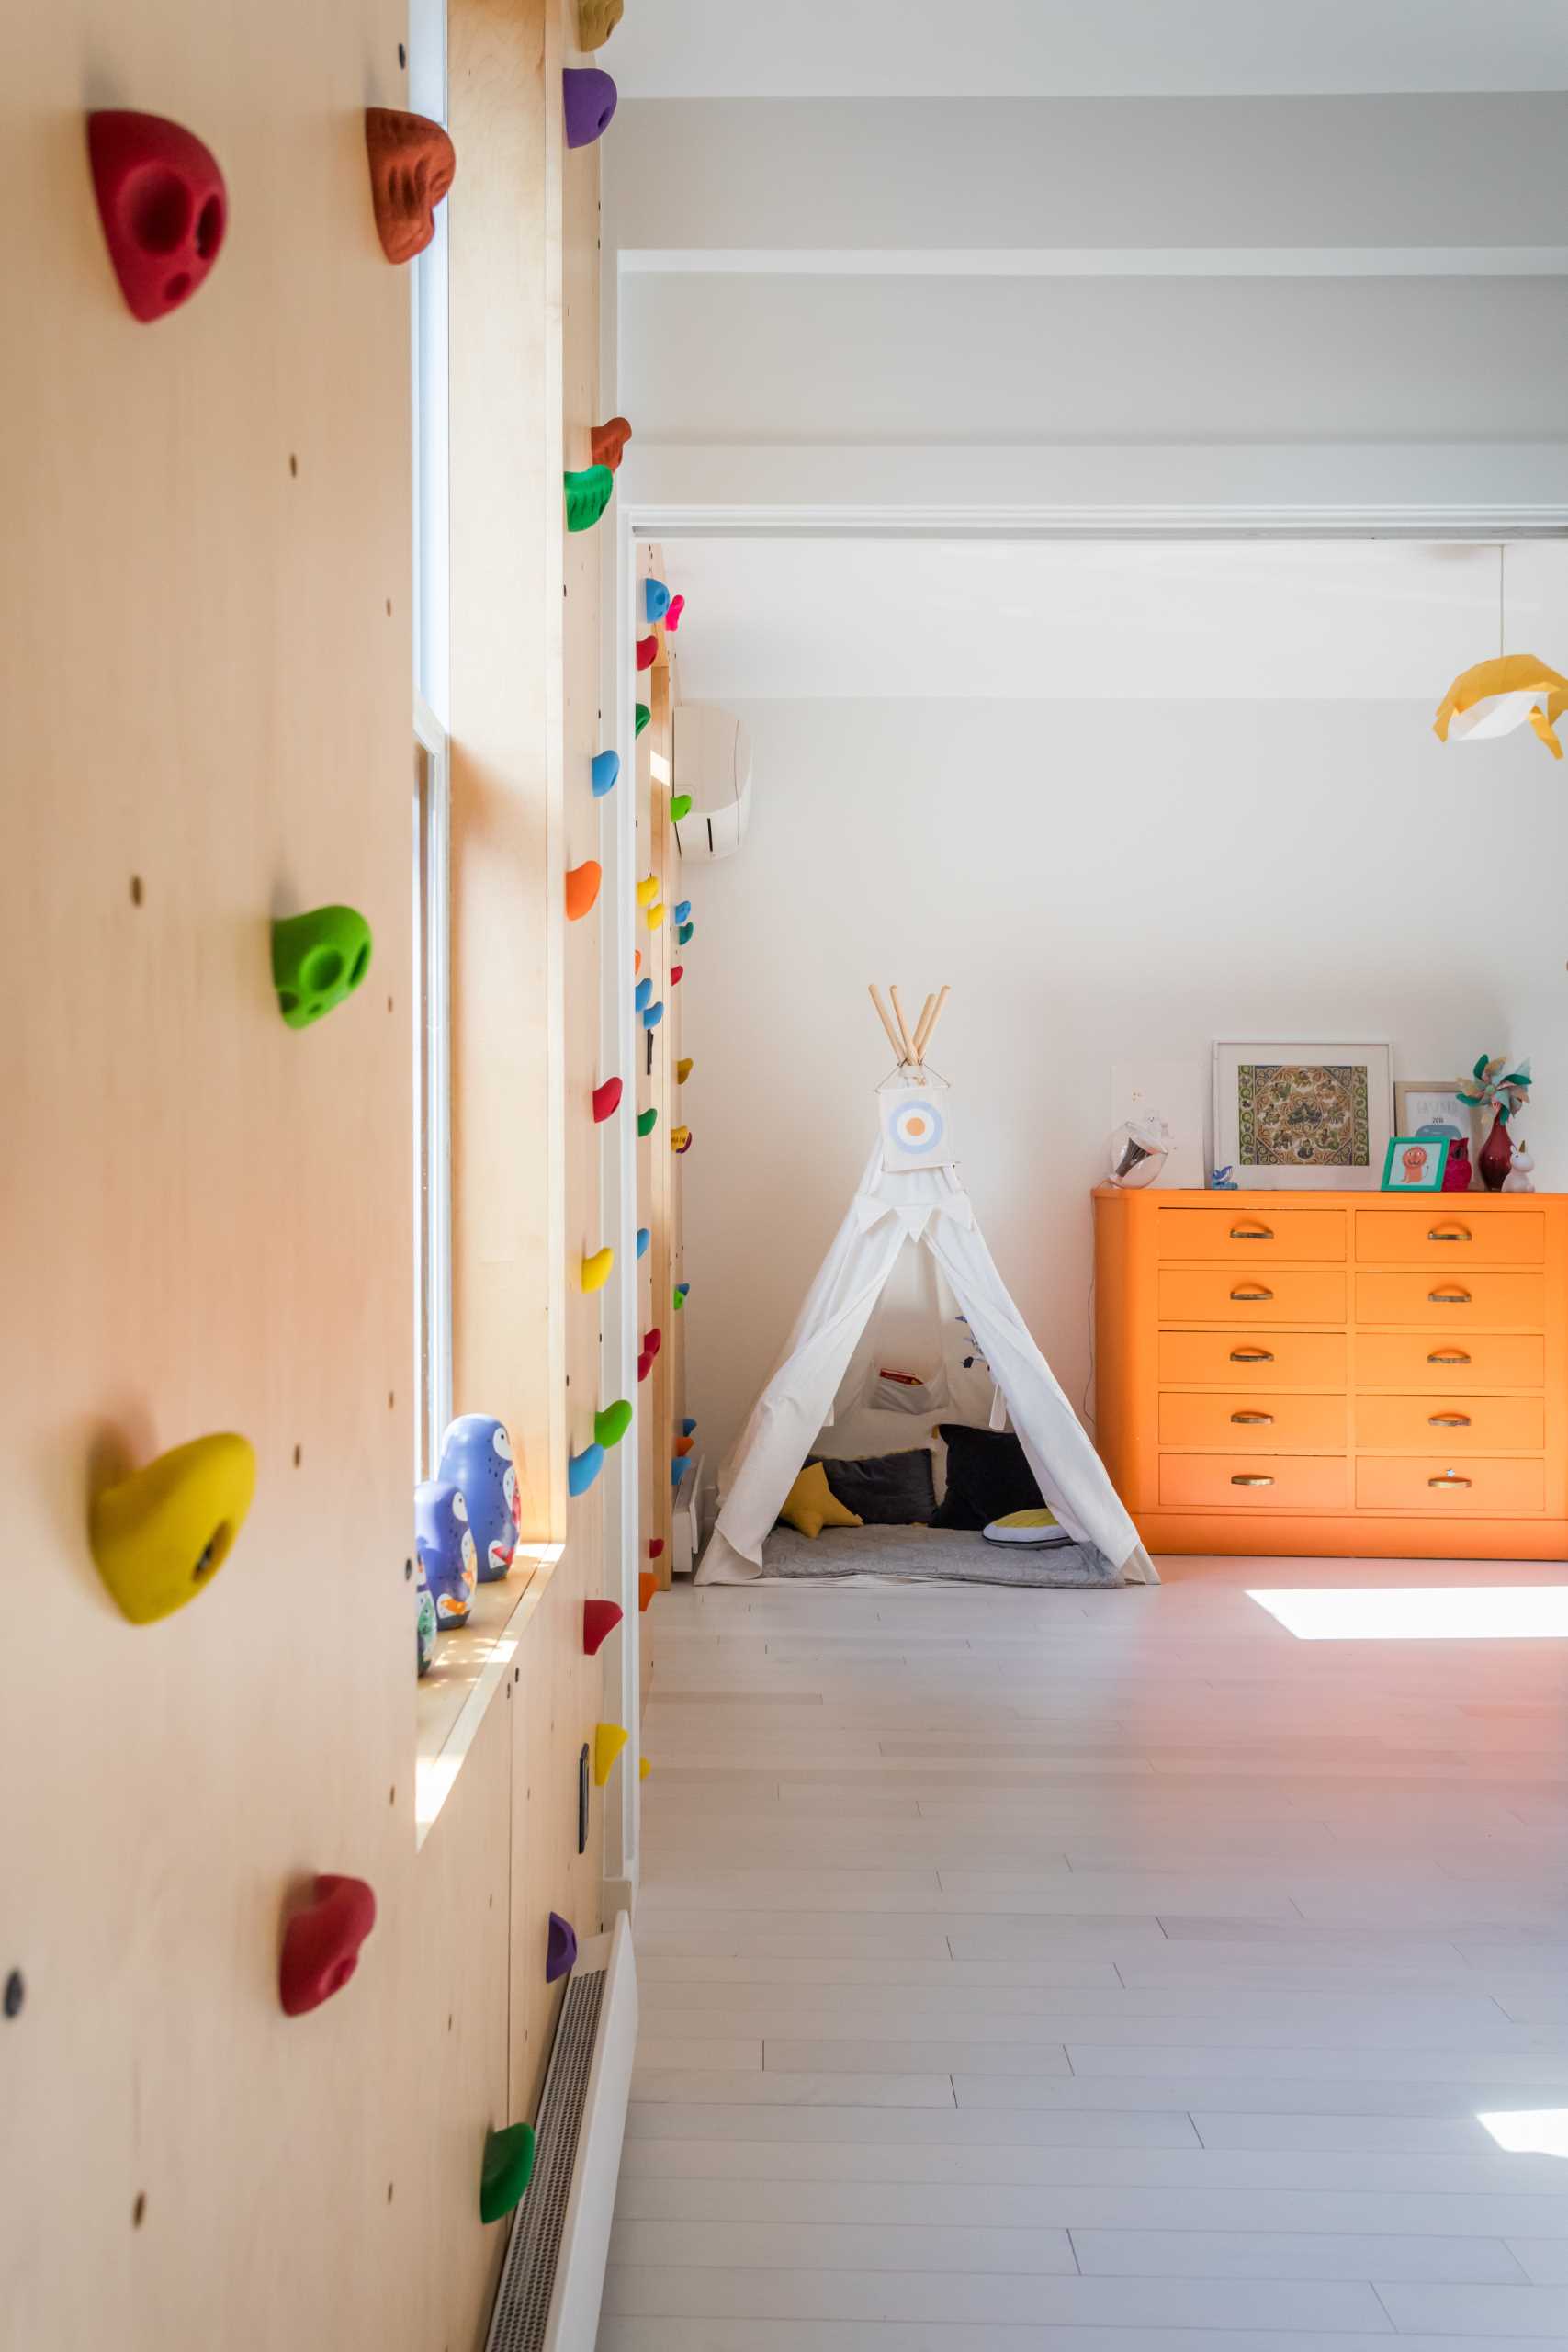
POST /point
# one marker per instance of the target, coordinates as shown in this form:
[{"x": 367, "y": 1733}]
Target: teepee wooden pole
[
  {"x": 910, "y": 1054},
  {"x": 921, "y": 1027},
  {"x": 929, "y": 1020},
  {"x": 883, "y": 1015}
]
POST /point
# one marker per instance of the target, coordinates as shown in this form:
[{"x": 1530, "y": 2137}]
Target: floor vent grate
[{"x": 521, "y": 2318}]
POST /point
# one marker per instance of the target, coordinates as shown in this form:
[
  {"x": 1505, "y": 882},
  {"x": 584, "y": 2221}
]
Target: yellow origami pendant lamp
[{"x": 1495, "y": 696}]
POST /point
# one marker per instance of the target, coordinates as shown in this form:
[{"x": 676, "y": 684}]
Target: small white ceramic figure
[{"x": 1520, "y": 1177}]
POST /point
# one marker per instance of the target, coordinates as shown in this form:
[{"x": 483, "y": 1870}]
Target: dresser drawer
[
  {"x": 1460, "y": 1424},
  {"x": 1457, "y": 1301},
  {"x": 1246, "y": 1424},
  {"x": 1249, "y": 1236},
  {"x": 1253, "y": 1360},
  {"x": 1245, "y": 1295},
  {"x": 1447, "y": 1237},
  {"x": 1425, "y": 1360},
  {"x": 1431, "y": 1482},
  {"x": 1253, "y": 1482}
]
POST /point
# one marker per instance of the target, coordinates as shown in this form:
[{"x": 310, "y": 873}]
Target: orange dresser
[{"x": 1335, "y": 1372}]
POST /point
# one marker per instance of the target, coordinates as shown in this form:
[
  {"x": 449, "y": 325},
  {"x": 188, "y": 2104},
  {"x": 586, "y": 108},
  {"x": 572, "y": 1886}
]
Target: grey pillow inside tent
[{"x": 885, "y": 1489}]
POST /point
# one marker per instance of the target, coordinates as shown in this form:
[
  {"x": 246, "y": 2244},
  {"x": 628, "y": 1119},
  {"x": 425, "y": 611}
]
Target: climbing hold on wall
[
  {"x": 653, "y": 1341},
  {"x": 596, "y": 20},
  {"x": 644, "y": 1365},
  {"x": 673, "y": 617},
  {"x": 582, "y": 888},
  {"x": 684, "y": 910},
  {"x": 643, "y": 715},
  {"x": 637, "y": 961},
  {"x": 605, "y": 772},
  {"x": 677, "y": 974},
  {"x": 646, "y": 1586},
  {"x": 655, "y": 600},
  {"x": 680, "y": 1139},
  {"x": 677, "y": 1470},
  {"x": 646, "y": 653},
  {"x": 646, "y": 1123},
  {"x": 413, "y": 165},
  {"x": 600, "y": 1619},
  {"x": 643, "y": 1235},
  {"x": 608, "y": 1741},
  {"x": 476, "y": 1455},
  {"x": 608, "y": 443},
  {"x": 560, "y": 1950},
  {"x": 683, "y": 932},
  {"x": 162, "y": 204},
  {"x": 655, "y": 1546},
  {"x": 679, "y": 806},
  {"x": 507, "y": 2170},
  {"x": 643, "y": 1767},
  {"x": 647, "y": 891},
  {"x": 317, "y": 959},
  {"x": 424, "y": 1627},
  {"x": 587, "y": 495},
  {"x": 583, "y": 1468},
  {"x": 588, "y": 98},
  {"x": 160, "y": 1536},
  {"x": 443, "y": 1544},
  {"x": 683, "y": 1070},
  {"x": 612, "y": 1423},
  {"x": 595, "y": 1268},
  {"x": 320, "y": 1944},
  {"x": 606, "y": 1101},
  {"x": 688, "y": 1426},
  {"x": 652, "y": 1014},
  {"x": 641, "y": 995},
  {"x": 656, "y": 915},
  {"x": 684, "y": 1446},
  {"x": 681, "y": 1290}
]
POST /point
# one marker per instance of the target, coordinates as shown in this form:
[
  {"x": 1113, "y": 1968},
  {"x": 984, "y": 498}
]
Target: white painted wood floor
[{"x": 1094, "y": 1973}]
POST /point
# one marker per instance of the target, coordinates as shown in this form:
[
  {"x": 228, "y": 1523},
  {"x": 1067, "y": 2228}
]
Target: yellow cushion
[{"x": 811, "y": 1505}]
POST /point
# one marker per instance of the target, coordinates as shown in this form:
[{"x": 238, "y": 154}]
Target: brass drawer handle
[
  {"x": 1252, "y": 1232},
  {"x": 1448, "y": 1479},
  {"x": 1459, "y": 1233},
  {"x": 1450, "y": 1298},
  {"x": 1257, "y": 1293},
  {"x": 1259, "y": 1418},
  {"x": 1447, "y": 1355},
  {"x": 1252, "y": 1355},
  {"x": 1448, "y": 1421},
  {"x": 1240, "y": 1481}
]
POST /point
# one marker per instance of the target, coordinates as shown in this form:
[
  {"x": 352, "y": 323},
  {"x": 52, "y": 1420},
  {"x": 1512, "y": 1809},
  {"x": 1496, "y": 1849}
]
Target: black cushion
[
  {"x": 987, "y": 1477},
  {"x": 885, "y": 1489}
]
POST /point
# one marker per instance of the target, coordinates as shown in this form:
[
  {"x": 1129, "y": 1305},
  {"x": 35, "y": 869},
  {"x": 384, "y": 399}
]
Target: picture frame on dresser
[
  {"x": 1304, "y": 1116},
  {"x": 1433, "y": 1106}
]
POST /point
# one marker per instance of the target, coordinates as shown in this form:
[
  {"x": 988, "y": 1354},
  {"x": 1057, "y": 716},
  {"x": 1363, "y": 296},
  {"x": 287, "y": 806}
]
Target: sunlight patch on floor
[
  {"x": 1533, "y": 2132},
  {"x": 1422, "y": 1612}
]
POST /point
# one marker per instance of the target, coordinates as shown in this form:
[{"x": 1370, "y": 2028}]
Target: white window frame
[{"x": 433, "y": 1085}]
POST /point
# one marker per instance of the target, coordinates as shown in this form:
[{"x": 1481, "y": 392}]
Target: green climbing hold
[
  {"x": 611, "y": 1426},
  {"x": 317, "y": 960},
  {"x": 508, "y": 2167},
  {"x": 587, "y": 495},
  {"x": 646, "y": 1122},
  {"x": 680, "y": 807},
  {"x": 683, "y": 934},
  {"x": 643, "y": 715}
]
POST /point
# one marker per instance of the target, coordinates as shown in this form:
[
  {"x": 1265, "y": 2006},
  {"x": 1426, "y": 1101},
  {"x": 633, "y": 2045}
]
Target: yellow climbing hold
[
  {"x": 682, "y": 1069},
  {"x": 656, "y": 915},
  {"x": 608, "y": 1741},
  {"x": 161, "y": 1536},
  {"x": 644, "y": 1768},
  {"x": 647, "y": 891},
  {"x": 596, "y": 1269}
]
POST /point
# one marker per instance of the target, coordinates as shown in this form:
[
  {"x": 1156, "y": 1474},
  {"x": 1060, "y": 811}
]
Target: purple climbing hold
[
  {"x": 589, "y": 97},
  {"x": 561, "y": 1956}
]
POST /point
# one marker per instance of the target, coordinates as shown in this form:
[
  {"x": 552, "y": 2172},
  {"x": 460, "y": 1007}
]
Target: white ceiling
[
  {"x": 1084, "y": 48},
  {"x": 1048, "y": 621}
]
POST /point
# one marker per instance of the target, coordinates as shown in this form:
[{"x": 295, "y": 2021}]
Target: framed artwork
[
  {"x": 1432, "y": 1106},
  {"x": 1414, "y": 1163},
  {"x": 1297, "y": 1116}
]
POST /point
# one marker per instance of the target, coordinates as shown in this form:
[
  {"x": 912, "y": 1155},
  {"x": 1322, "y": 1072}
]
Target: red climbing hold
[
  {"x": 644, "y": 1365},
  {"x": 677, "y": 974},
  {"x": 413, "y": 165},
  {"x": 673, "y": 617},
  {"x": 600, "y": 1619},
  {"x": 653, "y": 1341},
  {"x": 608, "y": 442},
  {"x": 162, "y": 204},
  {"x": 606, "y": 1101},
  {"x": 321, "y": 1945},
  {"x": 646, "y": 653}
]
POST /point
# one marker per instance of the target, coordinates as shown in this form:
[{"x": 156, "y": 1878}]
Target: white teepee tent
[{"x": 911, "y": 1193}]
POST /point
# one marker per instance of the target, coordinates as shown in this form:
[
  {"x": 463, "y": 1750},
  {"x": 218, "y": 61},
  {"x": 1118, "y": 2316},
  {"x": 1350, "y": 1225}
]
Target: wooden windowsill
[{"x": 470, "y": 1667}]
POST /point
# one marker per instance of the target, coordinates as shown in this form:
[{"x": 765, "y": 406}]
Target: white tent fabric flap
[{"x": 927, "y": 1205}]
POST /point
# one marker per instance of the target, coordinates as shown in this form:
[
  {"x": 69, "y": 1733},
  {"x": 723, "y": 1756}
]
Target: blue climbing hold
[
  {"x": 683, "y": 911},
  {"x": 655, "y": 599},
  {"x": 644, "y": 994},
  {"x": 606, "y": 772},
  {"x": 643, "y": 1238},
  {"x": 652, "y": 1014},
  {"x": 688, "y": 1427},
  {"x": 583, "y": 1468},
  {"x": 677, "y": 1469}
]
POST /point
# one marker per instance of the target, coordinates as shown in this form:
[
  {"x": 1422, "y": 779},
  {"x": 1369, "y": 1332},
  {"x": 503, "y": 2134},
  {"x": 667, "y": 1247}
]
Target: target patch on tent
[{"x": 916, "y": 1129}]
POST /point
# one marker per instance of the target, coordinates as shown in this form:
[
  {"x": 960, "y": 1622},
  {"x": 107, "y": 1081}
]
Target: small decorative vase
[
  {"x": 1458, "y": 1171},
  {"x": 1497, "y": 1156}
]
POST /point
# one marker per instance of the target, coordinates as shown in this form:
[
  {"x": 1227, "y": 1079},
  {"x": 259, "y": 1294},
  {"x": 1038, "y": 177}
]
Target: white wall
[{"x": 1100, "y": 882}]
